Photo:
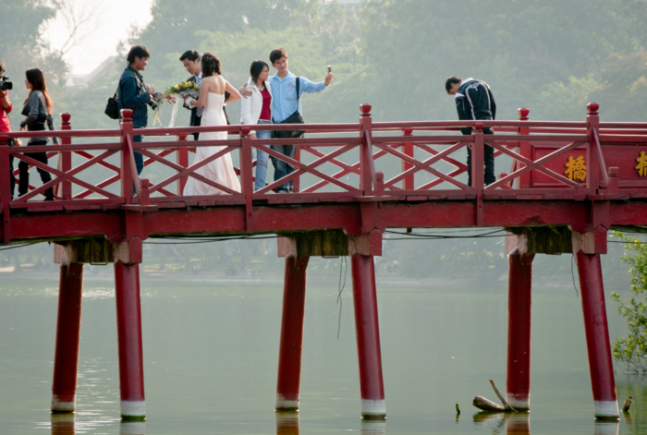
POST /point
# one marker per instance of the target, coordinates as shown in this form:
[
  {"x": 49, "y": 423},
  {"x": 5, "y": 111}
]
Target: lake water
[{"x": 211, "y": 351}]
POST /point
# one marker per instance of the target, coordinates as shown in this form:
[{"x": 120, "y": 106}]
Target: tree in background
[
  {"x": 176, "y": 25},
  {"x": 517, "y": 47},
  {"x": 632, "y": 351},
  {"x": 22, "y": 45}
]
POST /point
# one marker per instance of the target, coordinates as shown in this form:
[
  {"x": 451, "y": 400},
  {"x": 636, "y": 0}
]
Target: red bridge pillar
[
  {"x": 129, "y": 331},
  {"x": 68, "y": 333},
  {"x": 597, "y": 335},
  {"x": 368, "y": 337},
  {"x": 294, "y": 304},
  {"x": 519, "y": 304}
]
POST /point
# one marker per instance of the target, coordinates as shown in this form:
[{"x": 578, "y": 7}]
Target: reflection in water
[
  {"x": 517, "y": 423},
  {"x": 287, "y": 423},
  {"x": 132, "y": 428},
  {"x": 482, "y": 418},
  {"x": 373, "y": 427},
  {"x": 606, "y": 428},
  {"x": 62, "y": 424}
]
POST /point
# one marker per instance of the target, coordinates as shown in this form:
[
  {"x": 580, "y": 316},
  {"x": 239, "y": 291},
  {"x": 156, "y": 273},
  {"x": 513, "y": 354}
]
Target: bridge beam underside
[
  {"x": 68, "y": 334},
  {"x": 368, "y": 337},
  {"x": 290, "y": 350}
]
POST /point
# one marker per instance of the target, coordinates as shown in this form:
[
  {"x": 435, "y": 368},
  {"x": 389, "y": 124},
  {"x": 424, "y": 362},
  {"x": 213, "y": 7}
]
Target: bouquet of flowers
[{"x": 183, "y": 90}]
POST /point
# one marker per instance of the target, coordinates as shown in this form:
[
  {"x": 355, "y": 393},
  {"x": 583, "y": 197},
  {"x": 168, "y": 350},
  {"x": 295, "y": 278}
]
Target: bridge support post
[
  {"x": 294, "y": 304},
  {"x": 597, "y": 335},
  {"x": 519, "y": 304},
  {"x": 68, "y": 334},
  {"x": 129, "y": 332},
  {"x": 368, "y": 337}
]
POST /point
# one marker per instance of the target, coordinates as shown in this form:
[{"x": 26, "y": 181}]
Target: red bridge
[{"x": 567, "y": 184}]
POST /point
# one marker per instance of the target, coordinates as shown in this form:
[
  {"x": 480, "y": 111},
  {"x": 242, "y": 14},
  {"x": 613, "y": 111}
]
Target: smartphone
[{"x": 329, "y": 69}]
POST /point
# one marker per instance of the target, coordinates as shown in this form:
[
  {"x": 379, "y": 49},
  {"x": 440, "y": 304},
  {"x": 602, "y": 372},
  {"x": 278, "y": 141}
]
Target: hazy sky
[{"x": 112, "y": 25}]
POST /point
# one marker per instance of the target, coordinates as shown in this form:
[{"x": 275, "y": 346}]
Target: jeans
[
  {"x": 261, "y": 158},
  {"x": 23, "y": 185},
  {"x": 281, "y": 168},
  {"x": 139, "y": 159},
  {"x": 488, "y": 159}
]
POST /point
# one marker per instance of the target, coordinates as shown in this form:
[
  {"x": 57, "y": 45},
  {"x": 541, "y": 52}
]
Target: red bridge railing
[{"x": 399, "y": 161}]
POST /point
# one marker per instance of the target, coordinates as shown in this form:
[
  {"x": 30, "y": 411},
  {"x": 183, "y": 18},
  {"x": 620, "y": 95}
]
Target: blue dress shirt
[{"x": 284, "y": 94}]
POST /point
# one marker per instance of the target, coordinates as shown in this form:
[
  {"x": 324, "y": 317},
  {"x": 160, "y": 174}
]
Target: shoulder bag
[{"x": 295, "y": 118}]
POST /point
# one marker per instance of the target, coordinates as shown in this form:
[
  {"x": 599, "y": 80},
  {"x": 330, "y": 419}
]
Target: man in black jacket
[
  {"x": 191, "y": 61},
  {"x": 474, "y": 101}
]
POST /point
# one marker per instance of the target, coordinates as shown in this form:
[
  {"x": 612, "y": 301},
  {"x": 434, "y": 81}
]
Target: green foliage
[
  {"x": 176, "y": 26},
  {"x": 632, "y": 351}
]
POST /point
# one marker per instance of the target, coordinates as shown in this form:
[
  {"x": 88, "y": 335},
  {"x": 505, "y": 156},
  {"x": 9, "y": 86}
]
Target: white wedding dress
[{"x": 220, "y": 170}]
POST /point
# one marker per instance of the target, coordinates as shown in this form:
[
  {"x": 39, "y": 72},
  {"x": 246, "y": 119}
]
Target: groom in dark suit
[{"x": 191, "y": 61}]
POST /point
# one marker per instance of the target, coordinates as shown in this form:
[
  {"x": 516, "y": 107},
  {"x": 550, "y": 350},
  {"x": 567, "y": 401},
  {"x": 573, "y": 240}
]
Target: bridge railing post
[
  {"x": 407, "y": 148},
  {"x": 6, "y": 188},
  {"x": 592, "y": 153},
  {"x": 66, "y": 158},
  {"x": 366, "y": 151},
  {"x": 296, "y": 182},
  {"x": 478, "y": 169},
  {"x": 524, "y": 149},
  {"x": 246, "y": 176},
  {"x": 127, "y": 181},
  {"x": 182, "y": 159}
]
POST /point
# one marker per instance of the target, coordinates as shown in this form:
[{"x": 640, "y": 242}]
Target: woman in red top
[
  {"x": 257, "y": 109},
  {"x": 5, "y": 124}
]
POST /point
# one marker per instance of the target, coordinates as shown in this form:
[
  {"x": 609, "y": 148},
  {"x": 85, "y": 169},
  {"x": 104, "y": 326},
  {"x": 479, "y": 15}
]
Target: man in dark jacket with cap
[{"x": 474, "y": 101}]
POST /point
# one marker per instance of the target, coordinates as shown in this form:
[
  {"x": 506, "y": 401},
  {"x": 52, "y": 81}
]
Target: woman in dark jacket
[{"x": 38, "y": 112}]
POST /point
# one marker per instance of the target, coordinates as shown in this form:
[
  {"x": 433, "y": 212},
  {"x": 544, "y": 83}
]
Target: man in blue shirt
[{"x": 284, "y": 104}]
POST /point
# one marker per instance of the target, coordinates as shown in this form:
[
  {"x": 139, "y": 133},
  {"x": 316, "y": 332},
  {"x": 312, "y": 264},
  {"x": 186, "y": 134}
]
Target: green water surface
[{"x": 211, "y": 352}]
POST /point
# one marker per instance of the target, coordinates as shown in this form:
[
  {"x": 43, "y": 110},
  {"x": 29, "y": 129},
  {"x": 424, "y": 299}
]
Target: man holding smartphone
[{"x": 285, "y": 103}]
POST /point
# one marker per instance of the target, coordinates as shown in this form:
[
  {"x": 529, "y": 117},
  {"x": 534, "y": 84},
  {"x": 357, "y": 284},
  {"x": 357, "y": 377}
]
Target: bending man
[{"x": 474, "y": 101}]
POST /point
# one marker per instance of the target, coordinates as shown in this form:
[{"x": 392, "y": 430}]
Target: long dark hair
[
  {"x": 36, "y": 78},
  {"x": 210, "y": 64},
  {"x": 256, "y": 69}
]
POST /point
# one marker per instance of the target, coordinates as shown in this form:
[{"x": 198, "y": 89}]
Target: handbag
[
  {"x": 112, "y": 108},
  {"x": 295, "y": 118}
]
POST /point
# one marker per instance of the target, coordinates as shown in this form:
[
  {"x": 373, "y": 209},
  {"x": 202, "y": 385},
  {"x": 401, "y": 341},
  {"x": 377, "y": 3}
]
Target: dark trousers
[
  {"x": 195, "y": 122},
  {"x": 23, "y": 167},
  {"x": 281, "y": 168},
  {"x": 488, "y": 159},
  {"x": 12, "y": 177}
]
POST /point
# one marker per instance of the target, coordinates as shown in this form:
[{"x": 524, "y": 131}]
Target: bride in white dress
[{"x": 212, "y": 98}]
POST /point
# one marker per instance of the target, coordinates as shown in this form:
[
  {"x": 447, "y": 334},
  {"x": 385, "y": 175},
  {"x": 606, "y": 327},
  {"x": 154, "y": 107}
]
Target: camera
[{"x": 5, "y": 84}]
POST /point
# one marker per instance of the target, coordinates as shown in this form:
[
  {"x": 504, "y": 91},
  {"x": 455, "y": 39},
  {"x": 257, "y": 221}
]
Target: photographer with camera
[
  {"x": 5, "y": 109},
  {"x": 135, "y": 95},
  {"x": 38, "y": 111}
]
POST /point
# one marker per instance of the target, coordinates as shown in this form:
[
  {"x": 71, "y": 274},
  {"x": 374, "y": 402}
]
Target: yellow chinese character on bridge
[
  {"x": 642, "y": 164},
  {"x": 575, "y": 168}
]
